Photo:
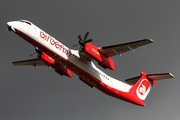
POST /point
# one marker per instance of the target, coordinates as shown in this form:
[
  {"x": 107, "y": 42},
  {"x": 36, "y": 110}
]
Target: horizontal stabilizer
[
  {"x": 133, "y": 80},
  {"x": 159, "y": 76}
]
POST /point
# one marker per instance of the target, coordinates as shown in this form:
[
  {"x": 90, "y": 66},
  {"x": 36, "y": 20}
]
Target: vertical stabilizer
[{"x": 143, "y": 84}]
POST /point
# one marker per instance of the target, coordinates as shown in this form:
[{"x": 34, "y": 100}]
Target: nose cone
[{"x": 12, "y": 25}]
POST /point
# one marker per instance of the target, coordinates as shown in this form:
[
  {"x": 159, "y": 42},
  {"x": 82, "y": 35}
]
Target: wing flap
[
  {"x": 121, "y": 48},
  {"x": 32, "y": 62}
]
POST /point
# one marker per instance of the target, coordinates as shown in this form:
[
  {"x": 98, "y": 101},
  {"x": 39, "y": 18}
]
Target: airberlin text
[{"x": 54, "y": 42}]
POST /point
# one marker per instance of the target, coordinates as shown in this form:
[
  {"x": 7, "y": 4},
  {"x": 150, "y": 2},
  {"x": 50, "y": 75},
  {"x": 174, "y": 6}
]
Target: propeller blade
[
  {"x": 38, "y": 51},
  {"x": 83, "y": 41},
  {"x": 32, "y": 54},
  {"x": 86, "y": 35},
  {"x": 90, "y": 40},
  {"x": 79, "y": 36},
  {"x": 75, "y": 45}
]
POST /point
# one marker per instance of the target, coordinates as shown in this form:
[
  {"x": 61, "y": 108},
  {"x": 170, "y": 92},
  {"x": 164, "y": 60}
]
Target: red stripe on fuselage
[{"x": 126, "y": 96}]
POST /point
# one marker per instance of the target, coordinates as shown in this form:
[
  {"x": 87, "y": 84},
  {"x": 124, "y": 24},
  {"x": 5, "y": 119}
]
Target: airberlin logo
[
  {"x": 143, "y": 89},
  {"x": 54, "y": 43}
]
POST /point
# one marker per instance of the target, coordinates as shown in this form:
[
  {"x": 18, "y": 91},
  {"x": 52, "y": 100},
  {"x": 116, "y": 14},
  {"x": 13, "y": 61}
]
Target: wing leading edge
[
  {"x": 32, "y": 62},
  {"x": 121, "y": 48}
]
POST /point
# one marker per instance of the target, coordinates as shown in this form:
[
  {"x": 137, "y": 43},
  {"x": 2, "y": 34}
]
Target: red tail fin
[{"x": 143, "y": 84}]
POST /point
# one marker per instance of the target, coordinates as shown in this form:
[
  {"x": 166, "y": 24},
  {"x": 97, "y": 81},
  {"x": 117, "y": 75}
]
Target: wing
[
  {"x": 121, "y": 48},
  {"x": 33, "y": 62}
]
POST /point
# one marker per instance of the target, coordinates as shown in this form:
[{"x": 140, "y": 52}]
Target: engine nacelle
[
  {"x": 92, "y": 51},
  {"x": 64, "y": 71},
  {"x": 60, "y": 69},
  {"x": 47, "y": 59}
]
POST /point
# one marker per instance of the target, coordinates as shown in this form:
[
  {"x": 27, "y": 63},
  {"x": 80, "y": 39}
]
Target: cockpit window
[{"x": 25, "y": 21}]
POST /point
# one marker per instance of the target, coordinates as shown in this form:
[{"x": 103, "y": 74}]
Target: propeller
[
  {"x": 36, "y": 51},
  {"x": 83, "y": 41}
]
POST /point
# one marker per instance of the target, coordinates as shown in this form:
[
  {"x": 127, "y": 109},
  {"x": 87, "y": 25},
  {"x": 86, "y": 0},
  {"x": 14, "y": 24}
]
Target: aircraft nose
[{"x": 11, "y": 25}]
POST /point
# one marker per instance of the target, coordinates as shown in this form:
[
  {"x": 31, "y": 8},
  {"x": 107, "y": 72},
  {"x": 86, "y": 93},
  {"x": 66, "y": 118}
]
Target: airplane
[{"x": 66, "y": 61}]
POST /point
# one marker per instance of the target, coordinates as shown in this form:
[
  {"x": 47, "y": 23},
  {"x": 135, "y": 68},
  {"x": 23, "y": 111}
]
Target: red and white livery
[{"x": 66, "y": 61}]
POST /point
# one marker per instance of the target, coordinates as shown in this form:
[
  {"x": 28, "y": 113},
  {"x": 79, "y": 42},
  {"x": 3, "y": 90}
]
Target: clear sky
[{"x": 27, "y": 93}]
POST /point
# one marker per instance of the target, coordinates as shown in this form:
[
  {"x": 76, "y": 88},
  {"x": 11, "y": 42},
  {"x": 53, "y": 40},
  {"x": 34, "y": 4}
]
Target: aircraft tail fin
[{"x": 143, "y": 84}]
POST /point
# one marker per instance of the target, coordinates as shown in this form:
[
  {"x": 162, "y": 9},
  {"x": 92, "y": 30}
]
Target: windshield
[{"x": 25, "y": 21}]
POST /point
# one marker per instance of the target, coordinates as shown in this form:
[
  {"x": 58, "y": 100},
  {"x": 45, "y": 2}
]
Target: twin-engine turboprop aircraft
[{"x": 66, "y": 61}]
